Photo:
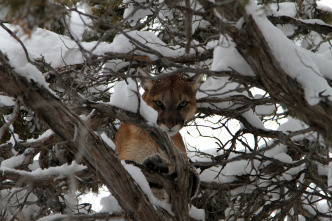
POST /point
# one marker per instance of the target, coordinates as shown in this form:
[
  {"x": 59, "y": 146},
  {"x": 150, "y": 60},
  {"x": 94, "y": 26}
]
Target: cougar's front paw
[{"x": 156, "y": 163}]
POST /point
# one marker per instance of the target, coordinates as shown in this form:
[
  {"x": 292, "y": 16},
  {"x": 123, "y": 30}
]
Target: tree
[{"x": 264, "y": 108}]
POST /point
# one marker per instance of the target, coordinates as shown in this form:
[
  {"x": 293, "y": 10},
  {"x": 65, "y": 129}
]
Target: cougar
[{"x": 174, "y": 99}]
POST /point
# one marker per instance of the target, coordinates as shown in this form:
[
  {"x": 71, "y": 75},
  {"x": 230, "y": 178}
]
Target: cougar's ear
[
  {"x": 196, "y": 81},
  {"x": 146, "y": 83}
]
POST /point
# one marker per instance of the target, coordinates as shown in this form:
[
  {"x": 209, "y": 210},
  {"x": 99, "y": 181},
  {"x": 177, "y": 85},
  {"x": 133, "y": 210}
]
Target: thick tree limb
[
  {"x": 303, "y": 26},
  {"x": 186, "y": 59}
]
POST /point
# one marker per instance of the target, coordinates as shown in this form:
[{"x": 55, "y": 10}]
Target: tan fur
[{"x": 132, "y": 143}]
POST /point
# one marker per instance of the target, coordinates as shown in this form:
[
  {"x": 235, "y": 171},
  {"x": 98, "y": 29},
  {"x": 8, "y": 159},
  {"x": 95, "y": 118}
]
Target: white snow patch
[
  {"x": 324, "y": 5},
  {"x": 253, "y": 119},
  {"x": 78, "y": 23},
  {"x": 197, "y": 214},
  {"x": 126, "y": 96},
  {"x": 122, "y": 44},
  {"x": 133, "y": 13},
  {"x": 110, "y": 205},
  {"x": 46, "y": 134},
  {"x": 227, "y": 58},
  {"x": 53, "y": 217},
  {"x": 107, "y": 140},
  {"x": 6, "y": 101},
  {"x": 140, "y": 179},
  {"x": 63, "y": 170},
  {"x": 282, "y": 9},
  {"x": 13, "y": 162}
]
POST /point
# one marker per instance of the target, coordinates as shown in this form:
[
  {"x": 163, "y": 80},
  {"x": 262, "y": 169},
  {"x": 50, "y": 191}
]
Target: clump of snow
[
  {"x": 110, "y": 205},
  {"x": 114, "y": 65},
  {"x": 107, "y": 140},
  {"x": 6, "y": 101},
  {"x": 78, "y": 24},
  {"x": 46, "y": 134},
  {"x": 140, "y": 179},
  {"x": 297, "y": 62},
  {"x": 127, "y": 97},
  {"x": 65, "y": 169},
  {"x": 282, "y": 9},
  {"x": 52, "y": 217},
  {"x": 287, "y": 29},
  {"x": 265, "y": 109},
  {"x": 253, "y": 119},
  {"x": 30, "y": 72},
  {"x": 122, "y": 44},
  {"x": 197, "y": 214},
  {"x": 133, "y": 13},
  {"x": 283, "y": 157},
  {"x": 13, "y": 162},
  {"x": 293, "y": 125},
  {"x": 229, "y": 172},
  {"x": 324, "y": 5},
  {"x": 227, "y": 58}
]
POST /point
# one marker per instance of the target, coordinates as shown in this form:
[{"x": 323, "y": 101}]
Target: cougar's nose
[{"x": 170, "y": 125}]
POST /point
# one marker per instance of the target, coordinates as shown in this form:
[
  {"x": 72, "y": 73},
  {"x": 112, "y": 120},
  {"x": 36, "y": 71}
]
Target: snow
[
  {"x": 324, "y": 5},
  {"x": 287, "y": 29},
  {"x": 133, "y": 13},
  {"x": 63, "y": 170},
  {"x": 110, "y": 205},
  {"x": 297, "y": 62},
  {"x": 78, "y": 24},
  {"x": 265, "y": 109},
  {"x": 122, "y": 44},
  {"x": 197, "y": 214},
  {"x": 107, "y": 140},
  {"x": 6, "y": 101},
  {"x": 126, "y": 96},
  {"x": 46, "y": 134},
  {"x": 114, "y": 65},
  {"x": 282, "y": 9},
  {"x": 253, "y": 119},
  {"x": 293, "y": 125},
  {"x": 53, "y": 217},
  {"x": 140, "y": 179},
  {"x": 227, "y": 58},
  {"x": 13, "y": 162}
]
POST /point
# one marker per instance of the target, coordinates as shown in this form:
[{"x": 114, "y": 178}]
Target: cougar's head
[{"x": 174, "y": 98}]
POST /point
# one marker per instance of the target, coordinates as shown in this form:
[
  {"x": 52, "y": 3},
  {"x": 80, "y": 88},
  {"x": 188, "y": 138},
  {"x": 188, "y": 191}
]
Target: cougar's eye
[
  {"x": 183, "y": 104},
  {"x": 158, "y": 103}
]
